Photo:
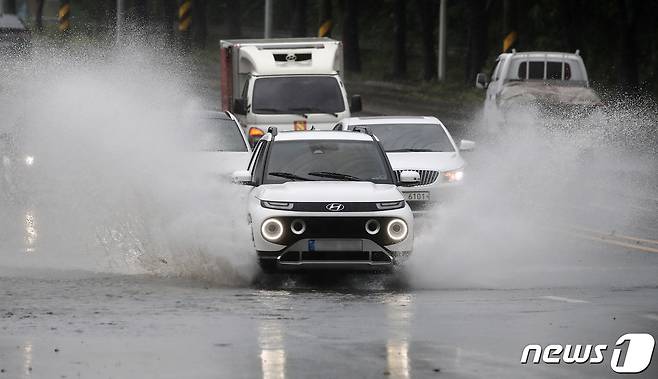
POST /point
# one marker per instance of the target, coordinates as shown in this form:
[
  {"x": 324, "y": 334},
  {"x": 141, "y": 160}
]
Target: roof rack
[{"x": 362, "y": 129}]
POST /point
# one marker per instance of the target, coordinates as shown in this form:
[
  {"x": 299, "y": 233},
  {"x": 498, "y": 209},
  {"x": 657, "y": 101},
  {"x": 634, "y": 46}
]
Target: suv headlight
[
  {"x": 454, "y": 175},
  {"x": 277, "y": 205},
  {"x": 271, "y": 229},
  {"x": 388, "y": 205},
  {"x": 397, "y": 229}
]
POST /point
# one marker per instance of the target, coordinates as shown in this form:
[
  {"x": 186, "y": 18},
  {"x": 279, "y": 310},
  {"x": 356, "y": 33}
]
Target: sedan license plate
[
  {"x": 335, "y": 245},
  {"x": 417, "y": 196}
]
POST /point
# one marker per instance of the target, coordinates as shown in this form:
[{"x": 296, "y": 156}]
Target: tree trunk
[
  {"x": 200, "y": 24},
  {"x": 627, "y": 64},
  {"x": 425, "y": 9},
  {"x": 476, "y": 40},
  {"x": 38, "y": 19},
  {"x": 299, "y": 18},
  {"x": 400, "y": 38},
  {"x": 351, "y": 35},
  {"x": 233, "y": 22}
]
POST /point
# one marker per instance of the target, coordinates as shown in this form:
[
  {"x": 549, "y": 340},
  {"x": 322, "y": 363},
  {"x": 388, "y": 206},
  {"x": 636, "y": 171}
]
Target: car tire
[{"x": 268, "y": 266}]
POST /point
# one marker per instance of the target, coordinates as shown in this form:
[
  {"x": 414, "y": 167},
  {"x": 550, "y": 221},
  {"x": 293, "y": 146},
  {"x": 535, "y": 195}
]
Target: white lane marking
[
  {"x": 651, "y": 316},
  {"x": 565, "y": 299}
]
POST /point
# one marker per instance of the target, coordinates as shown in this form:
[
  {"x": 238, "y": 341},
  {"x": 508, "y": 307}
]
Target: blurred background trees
[{"x": 396, "y": 40}]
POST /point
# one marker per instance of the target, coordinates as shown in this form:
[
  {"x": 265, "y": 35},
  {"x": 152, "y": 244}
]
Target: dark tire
[{"x": 269, "y": 266}]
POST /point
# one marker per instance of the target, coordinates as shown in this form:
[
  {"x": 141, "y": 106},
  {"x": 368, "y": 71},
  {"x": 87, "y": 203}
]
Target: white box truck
[{"x": 290, "y": 83}]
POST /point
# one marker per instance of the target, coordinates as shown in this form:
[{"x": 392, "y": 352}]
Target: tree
[
  {"x": 400, "y": 38},
  {"x": 427, "y": 16},
  {"x": 9, "y": 6},
  {"x": 476, "y": 38},
  {"x": 169, "y": 9},
  {"x": 299, "y": 18},
  {"x": 627, "y": 65},
  {"x": 233, "y": 21},
  {"x": 351, "y": 35},
  {"x": 200, "y": 24},
  {"x": 38, "y": 19}
]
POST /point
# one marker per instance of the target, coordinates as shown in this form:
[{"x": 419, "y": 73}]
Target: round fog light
[
  {"x": 272, "y": 229},
  {"x": 372, "y": 226},
  {"x": 298, "y": 226},
  {"x": 397, "y": 229}
]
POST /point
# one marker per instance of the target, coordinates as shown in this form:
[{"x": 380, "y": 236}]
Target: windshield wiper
[
  {"x": 334, "y": 175},
  {"x": 409, "y": 151},
  {"x": 287, "y": 175},
  {"x": 312, "y": 110}
]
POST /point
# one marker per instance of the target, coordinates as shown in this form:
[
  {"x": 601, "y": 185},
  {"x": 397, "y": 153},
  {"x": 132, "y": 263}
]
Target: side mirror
[
  {"x": 355, "y": 103},
  {"x": 466, "y": 145},
  {"x": 409, "y": 178},
  {"x": 241, "y": 177},
  {"x": 481, "y": 80},
  {"x": 239, "y": 106}
]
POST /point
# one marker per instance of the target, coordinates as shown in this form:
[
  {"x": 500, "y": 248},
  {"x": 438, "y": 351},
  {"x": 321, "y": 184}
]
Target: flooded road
[{"x": 78, "y": 324}]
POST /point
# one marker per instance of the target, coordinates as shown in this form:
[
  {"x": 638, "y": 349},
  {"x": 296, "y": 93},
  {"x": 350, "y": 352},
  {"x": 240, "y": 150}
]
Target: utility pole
[
  {"x": 120, "y": 9},
  {"x": 268, "y": 18},
  {"x": 442, "y": 41}
]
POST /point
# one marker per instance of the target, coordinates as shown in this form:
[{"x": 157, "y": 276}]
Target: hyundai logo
[
  {"x": 335, "y": 207},
  {"x": 291, "y": 57}
]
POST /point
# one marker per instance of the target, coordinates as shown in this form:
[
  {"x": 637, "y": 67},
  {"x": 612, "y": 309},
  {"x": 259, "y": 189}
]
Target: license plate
[
  {"x": 335, "y": 245},
  {"x": 417, "y": 196}
]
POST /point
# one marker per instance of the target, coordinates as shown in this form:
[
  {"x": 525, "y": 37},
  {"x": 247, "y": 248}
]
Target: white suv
[
  {"x": 420, "y": 144},
  {"x": 326, "y": 199}
]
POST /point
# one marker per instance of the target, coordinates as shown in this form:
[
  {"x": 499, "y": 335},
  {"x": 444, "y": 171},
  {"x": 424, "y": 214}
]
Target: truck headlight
[
  {"x": 454, "y": 175},
  {"x": 397, "y": 229},
  {"x": 271, "y": 229}
]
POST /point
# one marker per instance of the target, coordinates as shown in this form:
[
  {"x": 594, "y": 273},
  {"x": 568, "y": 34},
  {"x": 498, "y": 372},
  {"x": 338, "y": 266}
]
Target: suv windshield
[
  {"x": 299, "y": 94},
  {"x": 332, "y": 160},
  {"x": 412, "y": 137},
  {"x": 215, "y": 134}
]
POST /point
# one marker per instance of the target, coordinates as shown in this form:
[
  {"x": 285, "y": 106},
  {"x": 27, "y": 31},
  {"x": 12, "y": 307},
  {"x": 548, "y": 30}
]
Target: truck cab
[
  {"x": 291, "y": 84},
  {"x": 519, "y": 78}
]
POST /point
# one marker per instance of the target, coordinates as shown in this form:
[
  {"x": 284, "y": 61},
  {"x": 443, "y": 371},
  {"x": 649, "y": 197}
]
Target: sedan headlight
[
  {"x": 271, "y": 229},
  {"x": 397, "y": 229},
  {"x": 454, "y": 175}
]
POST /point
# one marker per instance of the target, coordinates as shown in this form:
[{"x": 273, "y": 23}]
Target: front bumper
[{"x": 335, "y": 253}]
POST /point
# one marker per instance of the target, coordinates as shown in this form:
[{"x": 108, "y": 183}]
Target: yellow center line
[
  {"x": 612, "y": 242},
  {"x": 613, "y": 235}
]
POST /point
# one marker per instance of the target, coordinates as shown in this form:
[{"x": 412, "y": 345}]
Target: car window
[
  {"x": 308, "y": 159},
  {"x": 297, "y": 94},
  {"x": 412, "y": 137},
  {"x": 217, "y": 134}
]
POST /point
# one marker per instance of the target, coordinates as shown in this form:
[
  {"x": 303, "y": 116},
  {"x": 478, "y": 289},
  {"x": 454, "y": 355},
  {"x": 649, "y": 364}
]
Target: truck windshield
[
  {"x": 400, "y": 138},
  {"x": 297, "y": 94},
  {"x": 332, "y": 160}
]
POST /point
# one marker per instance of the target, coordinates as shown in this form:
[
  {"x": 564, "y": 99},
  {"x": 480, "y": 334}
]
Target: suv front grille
[{"x": 427, "y": 177}]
